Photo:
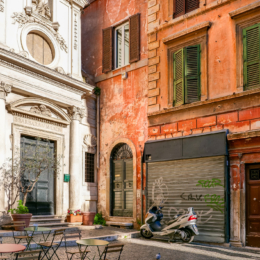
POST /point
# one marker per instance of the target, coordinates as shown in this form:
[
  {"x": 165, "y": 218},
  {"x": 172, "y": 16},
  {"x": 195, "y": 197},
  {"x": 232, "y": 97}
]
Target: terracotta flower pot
[
  {"x": 88, "y": 218},
  {"x": 22, "y": 217}
]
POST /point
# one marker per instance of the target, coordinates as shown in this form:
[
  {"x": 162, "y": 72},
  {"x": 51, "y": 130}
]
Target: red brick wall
[{"x": 235, "y": 122}]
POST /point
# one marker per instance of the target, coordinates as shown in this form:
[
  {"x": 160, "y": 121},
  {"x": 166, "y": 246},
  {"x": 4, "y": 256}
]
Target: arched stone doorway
[{"x": 121, "y": 185}]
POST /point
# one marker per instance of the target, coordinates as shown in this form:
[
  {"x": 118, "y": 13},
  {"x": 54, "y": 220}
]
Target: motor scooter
[{"x": 180, "y": 227}]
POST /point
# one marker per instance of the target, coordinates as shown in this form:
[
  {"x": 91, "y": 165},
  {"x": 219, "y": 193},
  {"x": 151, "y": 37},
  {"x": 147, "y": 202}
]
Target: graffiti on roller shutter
[{"x": 159, "y": 191}]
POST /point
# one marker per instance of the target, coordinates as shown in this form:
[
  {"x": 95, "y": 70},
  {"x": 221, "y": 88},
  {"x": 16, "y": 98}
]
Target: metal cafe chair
[
  {"x": 34, "y": 255},
  {"x": 47, "y": 246},
  {"x": 70, "y": 253},
  {"x": 18, "y": 239},
  {"x": 112, "y": 249}
]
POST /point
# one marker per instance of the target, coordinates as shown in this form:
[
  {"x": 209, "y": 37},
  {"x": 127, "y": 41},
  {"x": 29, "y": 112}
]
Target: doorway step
[
  {"x": 124, "y": 225},
  {"x": 52, "y": 221}
]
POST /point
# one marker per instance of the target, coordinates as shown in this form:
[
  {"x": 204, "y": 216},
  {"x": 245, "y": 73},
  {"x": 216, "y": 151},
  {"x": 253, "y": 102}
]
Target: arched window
[{"x": 39, "y": 48}]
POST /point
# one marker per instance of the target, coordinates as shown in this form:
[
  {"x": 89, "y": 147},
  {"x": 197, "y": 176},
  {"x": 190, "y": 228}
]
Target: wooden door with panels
[
  {"x": 41, "y": 200},
  {"x": 253, "y": 205},
  {"x": 122, "y": 182}
]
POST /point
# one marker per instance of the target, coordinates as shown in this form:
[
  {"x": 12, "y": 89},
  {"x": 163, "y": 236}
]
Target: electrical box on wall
[{"x": 66, "y": 178}]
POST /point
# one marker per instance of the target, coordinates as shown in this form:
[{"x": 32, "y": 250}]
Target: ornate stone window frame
[
  {"x": 191, "y": 36},
  {"x": 43, "y": 31},
  {"x": 242, "y": 20}
]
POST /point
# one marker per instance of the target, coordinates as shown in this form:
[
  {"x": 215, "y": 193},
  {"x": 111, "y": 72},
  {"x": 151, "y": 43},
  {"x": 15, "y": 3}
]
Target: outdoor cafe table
[
  {"x": 39, "y": 229},
  {"x": 91, "y": 242},
  {"x": 11, "y": 248}
]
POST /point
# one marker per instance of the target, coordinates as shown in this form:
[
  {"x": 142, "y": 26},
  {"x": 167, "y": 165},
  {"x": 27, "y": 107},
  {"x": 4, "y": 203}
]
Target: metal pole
[{"x": 141, "y": 186}]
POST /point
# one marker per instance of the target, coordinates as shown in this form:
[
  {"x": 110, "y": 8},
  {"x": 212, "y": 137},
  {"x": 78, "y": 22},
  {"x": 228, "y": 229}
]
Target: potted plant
[
  {"x": 21, "y": 213},
  {"x": 70, "y": 212},
  {"x": 78, "y": 212},
  {"x": 74, "y": 216}
]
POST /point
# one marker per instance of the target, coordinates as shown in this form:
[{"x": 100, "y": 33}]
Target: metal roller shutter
[{"x": 199, "y": 183}]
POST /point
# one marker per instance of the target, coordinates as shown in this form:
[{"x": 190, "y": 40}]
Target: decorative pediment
[{"x": 39, "y": 108}]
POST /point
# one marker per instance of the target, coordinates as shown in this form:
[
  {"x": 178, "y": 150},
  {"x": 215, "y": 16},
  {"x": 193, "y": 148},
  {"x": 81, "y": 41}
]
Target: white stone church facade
[{"x": 43, "y": 93}]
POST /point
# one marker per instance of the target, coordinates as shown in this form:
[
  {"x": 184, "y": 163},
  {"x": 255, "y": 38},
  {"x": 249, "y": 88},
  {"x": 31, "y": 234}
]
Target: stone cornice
[
  {"x": 35, "y": 67},
  {"x": 244, "y": 9},
  {"x": 187, "y": 31},
  {"x": 81, "y": 3},
  {"x": 204, "y": 103}
]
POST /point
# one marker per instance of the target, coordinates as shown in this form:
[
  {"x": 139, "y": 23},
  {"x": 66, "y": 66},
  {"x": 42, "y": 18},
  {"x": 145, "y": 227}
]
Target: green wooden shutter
[
  {"x": 192, "y": 73},
  {"x": 178, "y": 67},
  {"x": 251, "y": 57}
]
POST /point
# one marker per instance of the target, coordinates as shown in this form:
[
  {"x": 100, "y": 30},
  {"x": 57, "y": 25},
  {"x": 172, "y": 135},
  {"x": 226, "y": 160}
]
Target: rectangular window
[
  {"x": 122, "y": 45},
  {"x": 186, "y": 66},
  {"x": 251, "y": 56},
  {"x": 89, "y": 167},
  {"x": 182, "y": 7}
]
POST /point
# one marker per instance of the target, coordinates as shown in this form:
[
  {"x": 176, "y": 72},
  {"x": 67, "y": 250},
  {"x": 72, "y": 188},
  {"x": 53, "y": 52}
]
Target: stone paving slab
[{"x": 141, "y": 249}]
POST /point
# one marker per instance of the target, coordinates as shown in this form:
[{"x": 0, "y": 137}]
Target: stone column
[
  {"x": 75, "y": 158},
  {"x": 4, "y": 90}
]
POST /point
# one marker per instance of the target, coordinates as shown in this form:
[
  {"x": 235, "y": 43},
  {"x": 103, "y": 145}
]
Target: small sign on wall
[{"x": 66, "y": 178}]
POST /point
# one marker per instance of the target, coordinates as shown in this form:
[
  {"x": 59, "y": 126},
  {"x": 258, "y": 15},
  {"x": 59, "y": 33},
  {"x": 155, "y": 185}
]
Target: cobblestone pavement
[{"x": 140, "y": 249}]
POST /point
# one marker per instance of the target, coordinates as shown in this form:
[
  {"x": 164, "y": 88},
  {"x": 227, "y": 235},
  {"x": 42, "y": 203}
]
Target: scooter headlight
[{"x": 146, "y": 215}]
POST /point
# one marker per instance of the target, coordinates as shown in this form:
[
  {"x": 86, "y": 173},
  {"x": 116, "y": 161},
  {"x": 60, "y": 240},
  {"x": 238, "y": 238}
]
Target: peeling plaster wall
[{"x": 123, "y": 103}]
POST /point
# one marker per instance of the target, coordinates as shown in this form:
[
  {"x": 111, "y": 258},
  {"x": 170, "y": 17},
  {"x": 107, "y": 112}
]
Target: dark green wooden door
[
  {"x": 41, "y": 200},
  {"x": 122, "y": 176}
]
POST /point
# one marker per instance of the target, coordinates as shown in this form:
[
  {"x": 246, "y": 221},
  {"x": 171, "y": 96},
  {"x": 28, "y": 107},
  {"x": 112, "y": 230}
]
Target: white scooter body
[{"x": 183, "y": 226}]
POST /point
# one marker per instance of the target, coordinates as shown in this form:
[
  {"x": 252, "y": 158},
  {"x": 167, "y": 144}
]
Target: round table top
[
  {"x": 11, "y": 248},
  {"x": 92, "y": 242},
  {"x": 41, "y": 229}
]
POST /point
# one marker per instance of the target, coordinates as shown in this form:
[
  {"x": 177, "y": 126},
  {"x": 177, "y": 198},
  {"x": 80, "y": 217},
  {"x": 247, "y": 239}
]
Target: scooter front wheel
[
  {"x": 146, "y": 234},
  {"x": 188, "y": 236}
]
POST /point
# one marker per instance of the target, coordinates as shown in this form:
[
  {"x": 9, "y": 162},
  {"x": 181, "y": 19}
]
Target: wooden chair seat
[
  {"x": 48, "y": 244},
  {"x": 78, "y": 252},
  {"x": 22, "y": 237}
]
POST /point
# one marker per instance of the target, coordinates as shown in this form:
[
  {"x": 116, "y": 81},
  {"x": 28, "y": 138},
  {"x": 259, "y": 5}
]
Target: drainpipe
[
  {"x": 98, "y": 129},
  {"x": 71, "y": 55},
  {"x": 141, "y": 186}
]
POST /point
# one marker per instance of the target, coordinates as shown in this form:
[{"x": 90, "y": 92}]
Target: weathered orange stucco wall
[
  {"x": 225, "y": 104},
  {"x": 123, "y": 103}
]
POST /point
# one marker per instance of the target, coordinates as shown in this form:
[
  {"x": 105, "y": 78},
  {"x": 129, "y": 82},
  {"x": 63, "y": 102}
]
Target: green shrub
[
  {"x": 99, "y": 220},
  {"x": 21, "y": 209}
]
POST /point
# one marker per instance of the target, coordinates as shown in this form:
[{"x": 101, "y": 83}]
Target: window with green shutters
[
  {"x": 186, "y": 66},
  {"x": 251, "y": 56}
]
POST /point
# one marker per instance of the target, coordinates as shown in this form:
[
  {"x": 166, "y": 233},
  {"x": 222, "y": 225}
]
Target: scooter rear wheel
[
  {"x": 189, "y": 236},
  {"x": 146, "y": 234}
]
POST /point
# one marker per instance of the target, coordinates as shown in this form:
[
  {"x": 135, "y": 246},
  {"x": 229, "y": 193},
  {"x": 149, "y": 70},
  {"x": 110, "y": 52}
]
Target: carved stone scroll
[{"x": 5, "y": 89}]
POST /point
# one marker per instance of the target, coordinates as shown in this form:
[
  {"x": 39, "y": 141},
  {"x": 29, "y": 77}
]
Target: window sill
[
  {"x": 206, "y": 102},
  {"x": 120, "y": 71}
]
